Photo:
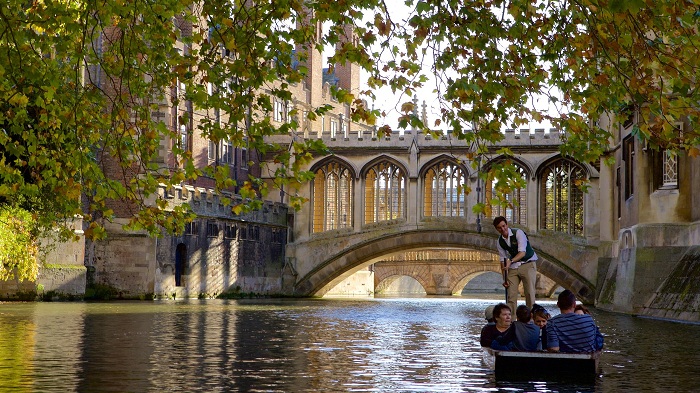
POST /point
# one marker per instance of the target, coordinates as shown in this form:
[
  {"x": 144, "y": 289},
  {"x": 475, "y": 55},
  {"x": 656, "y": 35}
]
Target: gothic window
[
  {"x": 212, "y": 229},
  {"x": 230, "y": 231},
  {"x": 516, "y": 209},
  {"x": 561, "y": 201},
  {"x": 212, "y": 151},
  {"x": 665, "y": 164},
  {"x": 223, "y": 152},
  {"x": 183, "y": 142},
  {"x": 244, "y": 157},
  {"x": 670, "y": 166},
  {"x": 618, "y": 192},
  {"x": 192, "y": 228},
  {"x": 628, "y": 157},
  {"x": 279, "y": 113},
  {"x": 444, "y": 190},
  {"x": 334, "y": 128},
  {"x": 332, "y": 193},
  {"x": 227, "y": 152},
  {"x": 385, "y": 193},
  {"x": 664, "y": 169}
]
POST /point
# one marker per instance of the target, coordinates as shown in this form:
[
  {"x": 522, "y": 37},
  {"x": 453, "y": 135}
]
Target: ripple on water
[{"x": 369, "y": 345}]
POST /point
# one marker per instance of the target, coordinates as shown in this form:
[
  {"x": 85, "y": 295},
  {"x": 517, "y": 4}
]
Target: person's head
[
  {"x": 488, "y": 313},
  {"x": 501, "y": 314},
  {"x": 523, "y": 313},
  {"x": 501, "y": 225},
  {"x": 536, "y": 307},
  {"x": 566, "y": 301},
  {"x": 581, "y": 309},
  {"x": 540, "y": 317}
]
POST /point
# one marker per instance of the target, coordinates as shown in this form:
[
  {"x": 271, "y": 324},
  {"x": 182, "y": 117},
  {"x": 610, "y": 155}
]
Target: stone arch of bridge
[
  {"x": 385, "y": 280},
  {"x": 548, "y": 292},
  {"x": 335, "y": 268},
  {"x": 470, "y": 275},
  {"x": 463, "y": 274}
]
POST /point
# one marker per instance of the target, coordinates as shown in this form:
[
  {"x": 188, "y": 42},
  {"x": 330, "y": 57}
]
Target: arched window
[
  {"x": 385, "y": 193},
  {"x": 561, "y": 201},
  {"x": 332, "y": 198},
  {"x": 444, "y": 192},
  {"x": 516, "y": 210}
]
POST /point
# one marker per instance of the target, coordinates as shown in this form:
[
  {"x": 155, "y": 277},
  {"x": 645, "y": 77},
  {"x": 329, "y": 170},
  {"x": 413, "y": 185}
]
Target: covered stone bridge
[{"x": 317, "y": 265}]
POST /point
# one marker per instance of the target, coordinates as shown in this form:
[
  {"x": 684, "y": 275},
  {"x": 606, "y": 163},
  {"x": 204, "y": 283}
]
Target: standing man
[{"x": 514, "y": 247}]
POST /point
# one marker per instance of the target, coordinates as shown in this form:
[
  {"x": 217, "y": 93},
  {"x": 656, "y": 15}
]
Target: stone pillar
[{"x": 358, "y": 203}]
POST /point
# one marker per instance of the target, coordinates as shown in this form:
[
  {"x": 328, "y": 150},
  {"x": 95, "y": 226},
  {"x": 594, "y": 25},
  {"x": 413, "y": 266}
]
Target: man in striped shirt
[{"x": 571, "y": 332}]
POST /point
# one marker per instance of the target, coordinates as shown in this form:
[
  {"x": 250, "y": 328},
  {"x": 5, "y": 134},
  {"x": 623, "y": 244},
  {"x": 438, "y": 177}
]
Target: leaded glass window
[
  {"x": 515, "y": 211},
  {"x": 444, "y": 190},
  {"x": 332, "y": 193},
  {"x": 670, "y": 167},
  {"x": 385, "y": 193},
  {"x": 561, "y": 201}
]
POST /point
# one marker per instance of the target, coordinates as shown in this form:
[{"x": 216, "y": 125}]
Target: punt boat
[{"x": 517, "y": 365}]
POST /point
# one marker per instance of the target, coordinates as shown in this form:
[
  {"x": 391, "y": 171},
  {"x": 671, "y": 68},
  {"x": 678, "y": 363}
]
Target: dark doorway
[{"x": 180, "y": 261}]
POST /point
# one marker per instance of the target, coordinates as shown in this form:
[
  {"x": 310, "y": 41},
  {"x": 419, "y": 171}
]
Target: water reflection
[{"x": 371, "y": 345}]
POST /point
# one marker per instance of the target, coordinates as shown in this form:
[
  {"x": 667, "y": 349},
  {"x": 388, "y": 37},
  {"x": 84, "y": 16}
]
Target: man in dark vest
[{"x": 514, "y": 247}]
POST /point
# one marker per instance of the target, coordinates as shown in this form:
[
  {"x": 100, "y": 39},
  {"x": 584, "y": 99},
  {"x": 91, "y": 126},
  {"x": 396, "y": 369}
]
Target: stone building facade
[
  {"x": 650, "y": 228},
  {"x": 220, "y": 251}
]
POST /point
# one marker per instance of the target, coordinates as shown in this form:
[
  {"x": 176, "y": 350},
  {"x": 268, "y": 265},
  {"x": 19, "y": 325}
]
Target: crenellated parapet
[
  {"x": 372, "y": 138},
  {"x": 527, "y": 137},
  {"x": 211, "y": 204}
]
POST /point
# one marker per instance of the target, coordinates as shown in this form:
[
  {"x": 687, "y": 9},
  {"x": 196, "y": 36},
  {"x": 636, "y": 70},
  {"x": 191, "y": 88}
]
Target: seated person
[
  {"x": 488, "y": 314},
  {"x": 581, "y": 309},
  {"x": 501, "y": 315},
  {"x": 538, "y": 308},
  {"x": 571, "y": 332},
  {"x": 540, "y": 316},
  {"x": 523, "y": 335}
]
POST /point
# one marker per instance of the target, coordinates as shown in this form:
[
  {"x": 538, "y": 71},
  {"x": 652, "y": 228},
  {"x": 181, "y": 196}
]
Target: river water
[{"x": 312, "y": 345}]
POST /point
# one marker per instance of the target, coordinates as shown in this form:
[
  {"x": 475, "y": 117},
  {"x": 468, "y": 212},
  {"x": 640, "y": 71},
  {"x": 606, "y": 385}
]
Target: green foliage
[
  {"x": 588, "y": 58},
  {"x": 18, "y": 245},
  {"x": 82, "y": 85}
]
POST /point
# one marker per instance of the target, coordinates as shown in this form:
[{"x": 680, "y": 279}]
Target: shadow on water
[{"x": 389, "y": 344}]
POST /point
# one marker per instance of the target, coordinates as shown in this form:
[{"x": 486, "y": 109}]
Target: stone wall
[
  {"x": 14, "y": 289},
  {"x": 655, "y": 272},
  {"x": 125, "y": 262},
  {"x": 220, "y": 252},
  {"x": 678, "y": 297},
  {"x": 61, "y": 270}
]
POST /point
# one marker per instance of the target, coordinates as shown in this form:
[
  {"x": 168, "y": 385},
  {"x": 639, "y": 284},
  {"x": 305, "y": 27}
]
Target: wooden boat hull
[{"x": 515, "y": 365}]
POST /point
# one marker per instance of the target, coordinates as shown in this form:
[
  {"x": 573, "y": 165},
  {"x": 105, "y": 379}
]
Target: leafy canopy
[{"x": 80, "y": 82}]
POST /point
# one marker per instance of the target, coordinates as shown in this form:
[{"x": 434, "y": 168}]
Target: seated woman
[
  {"x": 501, "y": 315},
  {"x": 523, "y": 335},
  {"x": 581, "y": 309}
]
